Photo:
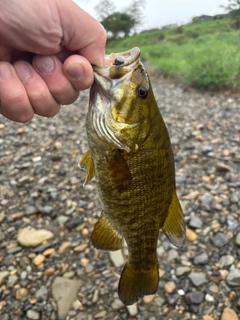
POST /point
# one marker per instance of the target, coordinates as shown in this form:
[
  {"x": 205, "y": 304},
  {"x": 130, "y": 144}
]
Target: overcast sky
[{"x": 162, "y": 12}]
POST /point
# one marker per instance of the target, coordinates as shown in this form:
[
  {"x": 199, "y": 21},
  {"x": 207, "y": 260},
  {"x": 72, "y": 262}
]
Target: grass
[{"x": 205, "y": 54}]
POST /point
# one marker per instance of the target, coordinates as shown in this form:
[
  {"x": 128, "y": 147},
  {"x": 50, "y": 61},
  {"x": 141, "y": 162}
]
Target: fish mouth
[{"x": 117, "y": 65}]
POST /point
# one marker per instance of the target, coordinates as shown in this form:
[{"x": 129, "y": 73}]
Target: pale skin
[{"x": 46, "y": 51}]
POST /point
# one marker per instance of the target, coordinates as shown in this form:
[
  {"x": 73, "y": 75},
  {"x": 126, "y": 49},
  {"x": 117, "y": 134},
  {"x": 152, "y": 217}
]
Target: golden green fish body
[{"x": 130, "y": 154}]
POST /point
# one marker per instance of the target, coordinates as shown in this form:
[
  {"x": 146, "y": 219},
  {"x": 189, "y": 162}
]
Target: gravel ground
[{"x": 48, "y": 266}]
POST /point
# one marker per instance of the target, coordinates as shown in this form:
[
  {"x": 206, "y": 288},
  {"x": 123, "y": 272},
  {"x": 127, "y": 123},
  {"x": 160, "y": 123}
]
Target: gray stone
[
  {"x": 4, "y": 317},
  {"x": 195, "y": 223},
  {"x": 226, "y": 261},
  {"x": 65, "y": 292},
  {"x": 31, "y": 210},
  {"x": 194, "y": 297},
  {"x": 219, "y": 240},
  {"x": 172, "y": 254},
  {"x": 117, "y": 304},
  {"x": 198, "y": 278},
  {"x": 201, "y": 258},
  {"x": 42, "y": 294},
  {"x": 233, "y": 278},
  {"x": 12, "y": 280},
  {"x": 32, "y": 314}
]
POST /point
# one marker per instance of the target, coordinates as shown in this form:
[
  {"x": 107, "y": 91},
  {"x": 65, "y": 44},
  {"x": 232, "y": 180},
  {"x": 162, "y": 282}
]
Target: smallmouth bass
[{"x": 131, "y": 157}]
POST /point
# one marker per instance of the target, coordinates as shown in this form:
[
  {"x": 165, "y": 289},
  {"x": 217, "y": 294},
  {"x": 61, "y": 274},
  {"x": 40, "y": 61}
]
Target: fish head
[{"x": 119, "y": 100}]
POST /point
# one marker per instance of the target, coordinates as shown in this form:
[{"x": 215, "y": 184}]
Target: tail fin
[{"x": 134, "y": 284}]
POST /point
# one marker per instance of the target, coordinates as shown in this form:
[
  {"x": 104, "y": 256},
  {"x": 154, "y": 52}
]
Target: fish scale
[{"x": 131, "y": 157}]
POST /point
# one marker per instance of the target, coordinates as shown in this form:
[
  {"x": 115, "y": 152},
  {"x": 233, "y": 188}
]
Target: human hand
[{"x": 46, "y": 52}]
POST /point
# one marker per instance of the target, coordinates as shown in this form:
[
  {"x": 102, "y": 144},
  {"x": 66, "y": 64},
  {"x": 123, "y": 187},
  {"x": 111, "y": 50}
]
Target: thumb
[{"x": 82, "y": 33}]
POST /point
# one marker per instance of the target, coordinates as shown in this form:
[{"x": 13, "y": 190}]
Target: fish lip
[{"x": 130, "y": 57}]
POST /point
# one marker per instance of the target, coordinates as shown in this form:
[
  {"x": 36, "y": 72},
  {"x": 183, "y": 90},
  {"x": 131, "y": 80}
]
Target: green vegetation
[{"x": 205, "y": 54}]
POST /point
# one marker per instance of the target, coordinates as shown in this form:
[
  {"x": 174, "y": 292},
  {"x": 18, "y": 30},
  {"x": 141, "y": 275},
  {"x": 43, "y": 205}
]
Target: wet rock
[
  {"x": 73, "y": 223},
  {"x": 219, "y": 240},
  {"x": 30, "y": 237},
  {"x": 64, "y": 292}
]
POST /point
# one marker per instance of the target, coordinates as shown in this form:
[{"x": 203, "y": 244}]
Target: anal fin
[
  {"x": 104, "y": 236},
  {"x": 174, "y": 226},
  {"x": 87, "y": 163}
]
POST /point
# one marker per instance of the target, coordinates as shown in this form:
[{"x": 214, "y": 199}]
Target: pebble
[
  {"x": 201, "y": 258},
  {"x": 64, "y": 292},
  {"x": 117, "y": 304},
  {"x": 233, "y": 278},
  {"x": 180, "y": 271},
  {"x": 100, "y": 314},
  {"x": 133, "y": 309},
  {"x": 117, "y": 258},
  {"x": 195, "y": 222},
  {"x": 49, "y": 272},
  {"x": 219, "y": 240},
  {"x": 222, "y": 167},
  {"x": 198, "y": 278},
  {"x": 194, "y": 297},
  {"x": 32, "y": 314},
  {"x": 206, "y": 317},
  {"x": 21, "y": 293},
  {"x": 226, "y": 261},
  {"x": 42, "y": 293},
  {"x": 172, "y": 254},
  {"x": 170, "y": 287},
  {"x": 12, "y": 280},
  {"x": 237, "y": 240},
  {"x": 65, "y": 246},
  {"x": 229, "y": 314},
  {"x": 39, "y": 259},
  {"x": 30, "y": 237},
  {"x": 191, "y": 236},
  {"x": 3, "y": 276}
]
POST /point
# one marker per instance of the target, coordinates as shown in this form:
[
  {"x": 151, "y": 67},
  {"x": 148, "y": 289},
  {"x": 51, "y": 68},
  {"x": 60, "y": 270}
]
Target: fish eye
[{"x": 143, "y": 92}]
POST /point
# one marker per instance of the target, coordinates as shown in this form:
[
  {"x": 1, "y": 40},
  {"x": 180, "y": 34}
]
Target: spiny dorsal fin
[
  {"x": 104, "y": 236},
  {"x": 174, "y": 226},
  {"x": 87, "y": 163}
]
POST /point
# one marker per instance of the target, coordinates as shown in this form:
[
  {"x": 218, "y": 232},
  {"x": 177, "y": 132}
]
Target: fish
[{"x": 131, "y": 158}]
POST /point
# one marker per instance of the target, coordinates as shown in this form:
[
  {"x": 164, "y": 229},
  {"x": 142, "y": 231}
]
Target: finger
[
  {"x": 14, "y": 102},
  {"x": 37, "y": 90},
  {"x": 86, "y": 35},
  {"x": 79, "y": 72},
  {"x": 51, "y": 71}
]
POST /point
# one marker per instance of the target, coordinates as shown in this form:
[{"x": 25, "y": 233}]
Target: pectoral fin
[
  {"x": 87, "y": 163},
  {"x": 174, "y": 226},
  {"x": 104, "y": 236}
]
